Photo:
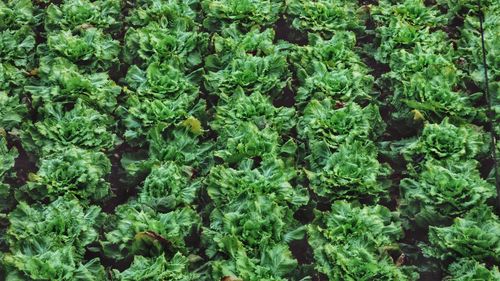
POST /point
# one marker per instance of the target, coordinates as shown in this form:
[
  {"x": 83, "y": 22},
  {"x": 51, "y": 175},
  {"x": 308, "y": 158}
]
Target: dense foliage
[{"x": 249, "y": 140}]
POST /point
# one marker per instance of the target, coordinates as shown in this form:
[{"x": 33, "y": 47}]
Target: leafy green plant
[
  {"x": 326, "y": 125},
  {"x": 255, "y": 108},
  {"x": 181, "y": 145},
  {"x": 272, "y": 178},
  {"x": 253, "y": 231},
  {"x": 90, "y": 48},
  {"x": 273, "y": 265},
  {"x": 443, "y": 190},
  {"x": 247, "y": 141},
  {"x": 8, "y": 157},
  {"x": 157, "y": 269},
  {"x": 467, "y": 269},
  {"x": 169, "y": 186},
  {"x": 154, "y": 43},
  {"x": 336, "y": 53},
  {"x": 425, "y": 81},
  {"x": 175, "y": 14},
  {"x": 340, "y": 84},
  {"x": 81, "y": 126},
  {"x": 330, "y": 69},
  {"x": 474, "y": 236},
  {"x": 17, "y": 13},
  {"x": 252, "y": 221},
  {"x": 160, "y": 95},
  {"x": 248, "y": 74},
  {"x": 404, "y": 24},
  {"x": 324, "y": 17},
  {"x": 16, "y": 46},
  {"x": 352, "y": 172},
  {"x": 246, "y": 13},
  {"x": 12, "y": 111},
  {"x": 81, "y": 14},
  {"x": 75, "y": 171},
  {"x": 231, "y": 43},
  {"x": 352, "y": 243},
  {"x": 64, "y": 83},
  {"x": 49, "y": 242},
  {"x": 137, "y": 229},
  {"x": 447, "y": 141},
  {"x": 12, "y": 79}
]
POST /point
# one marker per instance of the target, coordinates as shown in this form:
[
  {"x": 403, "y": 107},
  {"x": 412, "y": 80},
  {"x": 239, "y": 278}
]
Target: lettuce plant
[
  {"x": 324, "y": 17},
  {"x": 81, "y": 126},
  {"x": 250, "y": 224},
  {"x": 331, "y": 69},
  {"x": 326, "y": 125},
  {"x": 8, "y": 158},
  {"x": 248, "y": 236},
  {"x": 250, "y": 126},
  {"x": 272, "y": 179},
  {"x": 231, "y": 43},
  {"x": 447, "y": 141},
  {"x": 352, "y": 172},
  {"x": 48, "y": 242},
  {"x": 17, "y": 44},
  {"x": 426, "y": 81},
  {"x": 475, "y": 236},
  {"x": 160, "y": 95},
  {"x": 468, "y": 269},
  {"x": 245, "y": 14},
  {"x": 75, "y": 171},
  {"x": 166, "y": 144},
  {"x": 352, "y": 243},
  {"x": 274, "y": 264},
  {"x": 443, "y": 190},
  {"x": 342, "y": 133},
  {"x": 169, "y": 186},
  {"x": 63, "y": 82},
  {"x": 137, "y": 229},
  {"x": 344, "y": 85},
  {"x": 17, "y": 13},
  {"x": 252, "y": 220},
  {"x": 154, "y": 43},
  {"x": 248, "y": 74},
  {"x": 173, "y": 14},
  {"x": 12, "y": 111},
  {"x": 336, "y": 53},
  {"x": 157, "y": 269},
  {"x": 247, "y": 141},
  {"x": 179, "y": 145},
  {"x": 17, "y": 47},
  {"x": 90, "y": 48},
  {"x": 256, "y": 109},
  {"x": 405, "y": 24},
  {"x": 160, "y": 81},
  {"x": 12, "y": 79},
  {"x": 73, "y": 14}
]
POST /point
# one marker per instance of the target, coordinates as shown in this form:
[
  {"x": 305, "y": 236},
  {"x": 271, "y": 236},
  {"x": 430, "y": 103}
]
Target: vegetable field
[{"x": 249, "y": 140}]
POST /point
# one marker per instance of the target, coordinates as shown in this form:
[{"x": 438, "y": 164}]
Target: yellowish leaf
[
  {"x": 417, "y": 115},
  {"x": 194, "y": 125}
]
